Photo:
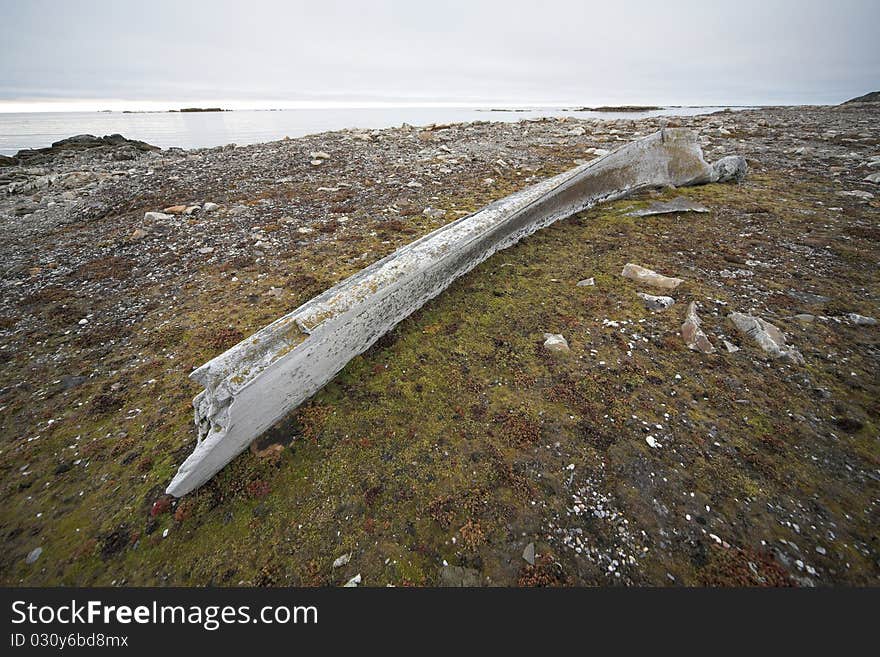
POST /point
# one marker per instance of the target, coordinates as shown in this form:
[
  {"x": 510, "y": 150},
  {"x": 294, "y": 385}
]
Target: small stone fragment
[
  {"x": 587, "y": 282},
  {"x": 33, "y": 555},
  {"x": 209, "y": 207},
  {"x": 873, "y": 178},
  {"x": 433, "y": 213},
  {"x": 138, "y": 234},
  {"x": 319, "y": 155},
  {"x": 693, "y": 335},
  {"x": 341, "y": 561},
  {"x": 353, "y": 582},
  {"x": 529, "y": 554},
  {"x": 731, "y": 348},
  {"x": 650, "y": 277},
  {"x": 656, "y": 303},
  {"x": 652, "y": 442}
]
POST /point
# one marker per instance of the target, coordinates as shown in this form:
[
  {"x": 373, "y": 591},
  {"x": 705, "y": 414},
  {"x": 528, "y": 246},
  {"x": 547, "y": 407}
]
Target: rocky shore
[{"x": 460, "y": 449}]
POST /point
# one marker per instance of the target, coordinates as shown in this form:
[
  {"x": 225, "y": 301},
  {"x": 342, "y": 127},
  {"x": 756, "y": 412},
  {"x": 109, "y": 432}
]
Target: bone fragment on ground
[
  {"x": 678, "y": 204},
  {"x": 261, "y": 379},
  {"x": 768, "y": 337},
  {"x": 693, "y": 335},
  {"x": 650, "y": 277}
]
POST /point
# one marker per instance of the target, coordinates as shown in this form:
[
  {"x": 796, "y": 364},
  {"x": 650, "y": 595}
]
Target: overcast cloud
[{"x": 620, "y": 51}]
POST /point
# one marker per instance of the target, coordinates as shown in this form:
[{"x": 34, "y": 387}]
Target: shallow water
[{"x": 206, "y": 129}]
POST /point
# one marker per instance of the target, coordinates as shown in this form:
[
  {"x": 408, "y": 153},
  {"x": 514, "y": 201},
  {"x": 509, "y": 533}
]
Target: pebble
[
  {"x": 341, "y": 561},
  {"x": 33, "y": 555}
]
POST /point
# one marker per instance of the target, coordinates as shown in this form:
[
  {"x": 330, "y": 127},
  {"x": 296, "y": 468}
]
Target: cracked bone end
[
  {"x": 692, "y": 333},
  {"x": 732, "y": 168}
]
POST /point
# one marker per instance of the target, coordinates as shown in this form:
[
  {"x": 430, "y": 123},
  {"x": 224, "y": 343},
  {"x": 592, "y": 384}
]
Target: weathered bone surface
[{"x": 253, "y": 384}]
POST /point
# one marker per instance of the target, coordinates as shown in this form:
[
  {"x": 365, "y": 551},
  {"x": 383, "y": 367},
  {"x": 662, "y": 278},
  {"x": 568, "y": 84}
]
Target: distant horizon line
[{"x": 132, "y": 106}]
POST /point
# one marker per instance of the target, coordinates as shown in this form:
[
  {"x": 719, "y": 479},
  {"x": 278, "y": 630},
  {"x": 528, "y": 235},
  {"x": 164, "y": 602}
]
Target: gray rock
[
  {"x": 656, "y": 303},
  {"x": 693, "y": 335},
  {"x": 156, "y": 216},
  {"x": 857, "y": 193},
  {"x": 353, "y": 582},
  {"x": 861, "y": 320},
  {"x": 33, "y": 555},
  {"x": 209, "y": 207},
  {"x": 341, "y": 561},
  {"x": 529, "y": 554},
  {"x": 873, "y": 178},
  {"x": 587, "y": 282},
  {"x": 556, "y": 343},
  {"x": 732, "y": 168},
  {"x": 768, "y": 337}
]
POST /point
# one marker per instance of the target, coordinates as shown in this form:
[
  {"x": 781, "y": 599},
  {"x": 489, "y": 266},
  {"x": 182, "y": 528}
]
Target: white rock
[
  {"x": 341, "y": 561},
  {"x": 857, "y": 193},
  {"x": 210, "y": 207},
  {"x": 319, "y": 155},
  {"x": 555, "y": 342},
  {"x": 861, "y": 320},
  {"x": 156, "y": 216},
  {"x": 731, "y": 348},
  {"x": 33, "y": 555},
  {"x": 644, "y": 275},
  {"x": 656, "y": 303},
  {"x": 353, "y": 582},
  {"x": 587, "y": 282},
  {"x": 529, "y": 554},
  {"x": 652, "y": 442}
]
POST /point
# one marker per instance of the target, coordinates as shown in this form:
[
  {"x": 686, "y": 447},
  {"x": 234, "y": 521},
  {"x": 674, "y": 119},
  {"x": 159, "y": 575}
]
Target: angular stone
[
  {"x": 587, "y": 282},
  {"x": 649, "y": 277},
  {"x": 693, "y": 335},
  {"x": 732, "y": 168},
  {"x": 529, "y": 554},
  {"x": 768, "y": 337}
]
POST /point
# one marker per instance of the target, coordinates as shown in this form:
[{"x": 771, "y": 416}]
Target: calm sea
[{"x": 206, "y": 129}]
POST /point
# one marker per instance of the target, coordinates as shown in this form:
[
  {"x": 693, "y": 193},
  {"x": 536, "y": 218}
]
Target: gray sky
[{"x": 614, "y": 51}]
